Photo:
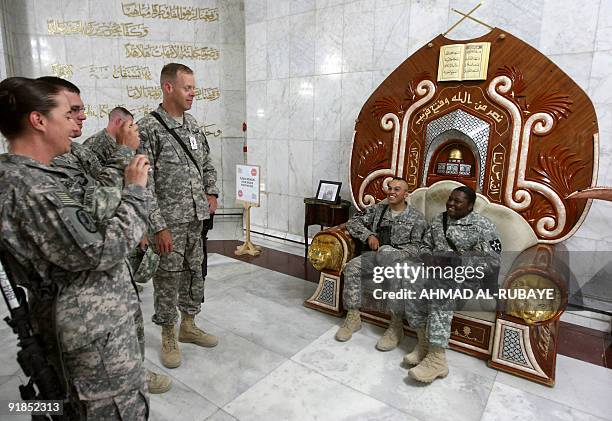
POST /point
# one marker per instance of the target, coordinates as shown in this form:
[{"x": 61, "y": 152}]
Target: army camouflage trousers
[
  {"x": 433, "y": 315},
  {"x": 109, "y": 377},
  {"x": 140, "y": 332},
  {"x": 178, "y": 280},
  {"x": 359, "y": 286},
  {"x": 134, "y": 260}
]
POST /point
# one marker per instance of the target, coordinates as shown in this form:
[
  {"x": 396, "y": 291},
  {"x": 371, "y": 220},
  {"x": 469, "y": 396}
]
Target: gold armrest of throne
[
  {"x": 331, "y": 248},
  {"x": 538, "y": 269}
]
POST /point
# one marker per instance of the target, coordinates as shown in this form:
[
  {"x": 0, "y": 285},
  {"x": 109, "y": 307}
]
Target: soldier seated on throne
[
  {"x": 457, "y": 239},
  {"x": 392, "y": 230}
]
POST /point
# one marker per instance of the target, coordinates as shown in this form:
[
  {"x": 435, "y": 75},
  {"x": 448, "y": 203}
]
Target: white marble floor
[{"x": 278, "y": 360}]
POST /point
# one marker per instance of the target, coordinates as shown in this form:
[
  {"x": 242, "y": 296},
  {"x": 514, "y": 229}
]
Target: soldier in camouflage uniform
[
  {"x": 85, "y": 169},
  {"x": 103, "y": 144},
  {"x": 400, "y": 228},
  {"x": 184, "y": 187},
  {"x": 471, "y": 240},
  {"x": 98, "y": 188},
  {"x": 60, "y": 246}
]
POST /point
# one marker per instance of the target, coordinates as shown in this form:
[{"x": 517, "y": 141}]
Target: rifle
[{"x": 44, "y": 382}]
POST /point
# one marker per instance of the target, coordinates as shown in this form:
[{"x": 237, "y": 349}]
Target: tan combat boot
[
  {"x": 420, "y": 350},
  {"x": 190, "y": 333},
  {"x": 171, "y": 355},
  {"x": 158, "y": 383},
  {"x": 351, "y": 324},
  {"x": 392, "y": 336},
  {"x": 433, "y": 366}
]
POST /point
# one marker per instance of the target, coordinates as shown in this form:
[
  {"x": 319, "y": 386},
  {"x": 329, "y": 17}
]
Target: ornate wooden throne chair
[{"x": 524, "y": 136}]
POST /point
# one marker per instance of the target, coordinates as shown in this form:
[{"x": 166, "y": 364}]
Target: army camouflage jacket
[
  {"x": 474, "y": 238},
  {"x": 52, "y": 237},
  {"x": 102, "y": 145},
  {"x": 407, "y": 228},
  {"x": 179, "y": 191},
  {"x": 86, "y": 171}
]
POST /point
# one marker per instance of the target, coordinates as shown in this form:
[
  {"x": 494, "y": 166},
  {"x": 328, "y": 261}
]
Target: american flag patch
[{"x": 66, "y": 199}]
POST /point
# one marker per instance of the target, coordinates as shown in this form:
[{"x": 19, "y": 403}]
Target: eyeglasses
[{"x": 76, "y": 109}]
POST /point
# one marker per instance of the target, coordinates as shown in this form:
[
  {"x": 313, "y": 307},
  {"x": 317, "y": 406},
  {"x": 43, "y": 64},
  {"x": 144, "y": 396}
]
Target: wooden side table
[{"x": 323, "y": 214}]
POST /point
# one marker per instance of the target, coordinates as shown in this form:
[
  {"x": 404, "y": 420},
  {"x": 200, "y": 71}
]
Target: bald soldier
[
  {"x": 104, "y": 143},
  {"x": 392, "y": 230}
]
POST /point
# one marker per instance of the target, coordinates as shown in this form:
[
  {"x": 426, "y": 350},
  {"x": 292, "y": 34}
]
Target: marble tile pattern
[
  {"x": 279, "y": 360},
  {"x": 508, "y": 403},
  {"x": 347, "y": 48},
  {"x": 89, "y": 60}
]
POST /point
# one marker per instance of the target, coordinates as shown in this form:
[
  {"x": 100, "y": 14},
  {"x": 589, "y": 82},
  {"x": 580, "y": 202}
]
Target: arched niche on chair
[{"x": 453, "y": 159}]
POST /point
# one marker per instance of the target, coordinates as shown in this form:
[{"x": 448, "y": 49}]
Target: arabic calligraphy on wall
[
  {"x": 171, "y": 51},
  {"x": 155, "y": 92},
  {"x": 100, "y": 111},
  {"x": 133, "y": 82},
  {"x": 117, "y": 71},
  {"x": 64, "y": 71},
  {"x": 96, "y": 29},
  {"x": 169, "y": 11},
  {"x": 470, "y": 98}
]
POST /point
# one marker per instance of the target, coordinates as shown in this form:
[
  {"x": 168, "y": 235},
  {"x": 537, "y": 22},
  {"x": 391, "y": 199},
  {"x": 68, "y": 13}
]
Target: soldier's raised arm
[
  {"x": 111, "y": 173},
  {"x": 80, "y": 160},
  {"x": 58, "y": 228},
  {"x": 361, "y": 224}
]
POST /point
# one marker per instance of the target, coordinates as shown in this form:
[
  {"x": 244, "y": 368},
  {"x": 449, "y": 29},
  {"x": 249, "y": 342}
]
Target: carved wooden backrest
[{"x": 529, "y": 131}]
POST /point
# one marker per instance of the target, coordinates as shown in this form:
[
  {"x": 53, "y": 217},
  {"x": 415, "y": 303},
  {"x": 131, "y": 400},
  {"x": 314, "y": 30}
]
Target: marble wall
[
  {"x": 2, "y": 50},
  {"x": 311, "y": 64},
  {"x": 114, "y": 50},
  {"x": 3, "y": 59}
]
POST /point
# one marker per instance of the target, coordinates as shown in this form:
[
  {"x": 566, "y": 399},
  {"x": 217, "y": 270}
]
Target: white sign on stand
[
  {"x": 247, "y": 184},
  {"x": 247, "y": 193}
]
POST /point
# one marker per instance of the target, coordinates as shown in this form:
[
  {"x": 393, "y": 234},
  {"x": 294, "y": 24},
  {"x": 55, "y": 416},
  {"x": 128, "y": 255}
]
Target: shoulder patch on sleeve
[
  {"x": 80, "y": 225},
  {"x": 87, "y": 221},
  {"x": 75, "y": 219}
]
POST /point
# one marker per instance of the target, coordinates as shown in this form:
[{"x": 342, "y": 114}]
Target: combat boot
[
  {"x": 170, "y": 355},
  {"x": 158, "y": 383},
  {"x": 420, "y": 350},
  {"x": 392, "y": 336},
  {"x": 190, "y": 333},
  {"x": 351, "y": 324},
  {"x": 433, "y": 366}
]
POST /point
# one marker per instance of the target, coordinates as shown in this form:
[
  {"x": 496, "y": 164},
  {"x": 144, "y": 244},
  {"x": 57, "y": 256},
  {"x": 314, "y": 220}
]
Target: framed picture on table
[{"x": 329, "y": 191}]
